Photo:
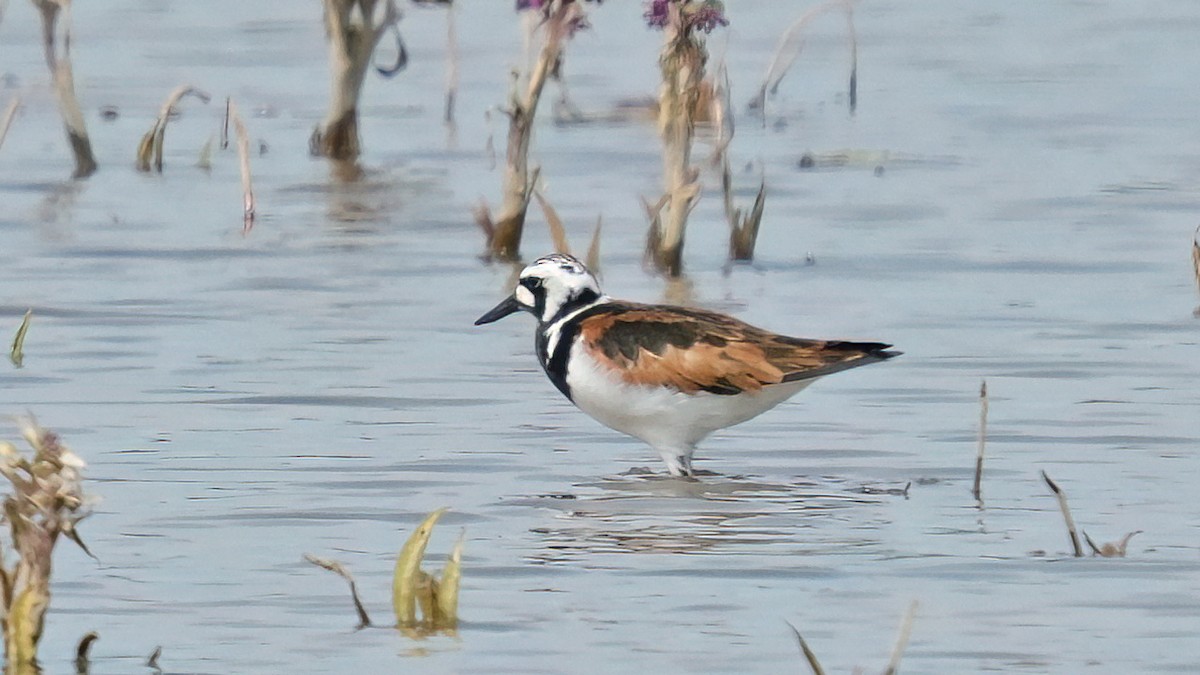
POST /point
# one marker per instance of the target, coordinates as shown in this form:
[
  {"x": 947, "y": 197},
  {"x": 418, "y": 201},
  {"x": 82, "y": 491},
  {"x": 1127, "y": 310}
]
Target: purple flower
[
  {"x": 703, "y": 15},
  {"x": 707, "y": 17},
  {"x": 657, "y": 13}
]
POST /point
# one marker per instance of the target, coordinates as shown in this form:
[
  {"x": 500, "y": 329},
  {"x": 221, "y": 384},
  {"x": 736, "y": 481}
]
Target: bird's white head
[{"x": 550, "y": 287}]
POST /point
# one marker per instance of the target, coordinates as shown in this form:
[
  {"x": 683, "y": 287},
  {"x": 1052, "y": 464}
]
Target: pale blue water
[{"x": 317, "y": 386}]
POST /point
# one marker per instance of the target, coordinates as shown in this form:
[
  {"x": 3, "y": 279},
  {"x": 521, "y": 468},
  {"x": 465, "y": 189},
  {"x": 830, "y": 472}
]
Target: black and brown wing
[{"x": 694, "y": 350}]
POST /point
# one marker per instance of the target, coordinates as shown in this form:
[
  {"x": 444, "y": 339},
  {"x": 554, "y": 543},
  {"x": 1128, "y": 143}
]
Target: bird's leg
[{"x": 679, "y": 461}]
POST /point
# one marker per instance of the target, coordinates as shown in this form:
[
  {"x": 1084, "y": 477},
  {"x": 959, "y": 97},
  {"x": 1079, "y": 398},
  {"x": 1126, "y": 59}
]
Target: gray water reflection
[{"x": 316, "y": 385}]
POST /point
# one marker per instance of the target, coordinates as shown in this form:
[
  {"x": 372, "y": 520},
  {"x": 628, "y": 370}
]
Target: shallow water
[{"x": 317, "y": 386}]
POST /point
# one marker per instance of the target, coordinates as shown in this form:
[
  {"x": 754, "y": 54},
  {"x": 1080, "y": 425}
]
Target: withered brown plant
[
  {"x": 45, "y": 501},
  {"x": 682, "y": 62},
  {"x": 58, "y": 58},
  {"x": 353, "y": 28},
  {"x": 559, "y": 20}
]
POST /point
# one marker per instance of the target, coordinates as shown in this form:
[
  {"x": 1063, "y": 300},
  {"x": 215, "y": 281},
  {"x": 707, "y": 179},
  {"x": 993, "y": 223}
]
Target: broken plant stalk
[
  {"x": 682, "y": 66},
  {"x": 791, "y": 43},
  {"x": 152, "y": 143},
  {"x": 977, "y": 490},
  {"x": 243, "y": 147},
  {"x": 64, "y": 81},
  {"x": 1066, "y": 511},
  {"x": 353, "y": 31},
  {"x": 560, "y": 18}
]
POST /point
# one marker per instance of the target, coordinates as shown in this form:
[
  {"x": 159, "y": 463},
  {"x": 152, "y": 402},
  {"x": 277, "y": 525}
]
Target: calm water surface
[{"x": 317, "y": 386}]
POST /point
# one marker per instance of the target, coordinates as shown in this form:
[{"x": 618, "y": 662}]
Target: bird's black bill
[{"x": 508, "y": 306}]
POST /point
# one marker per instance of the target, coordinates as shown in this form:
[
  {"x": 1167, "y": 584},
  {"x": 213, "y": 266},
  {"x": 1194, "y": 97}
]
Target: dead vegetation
[
  {"x": 56, "y": 41},
  {"x": 423, "y": 603},
  {"x": 791, "y": 44},
  {"x": 45, "y": 501},
  {"x": 559, "y": 20},
  {"x": 150, "y": 150},
  {"x": 353, "y": 29},
  {"x": 902, "y": 636}
]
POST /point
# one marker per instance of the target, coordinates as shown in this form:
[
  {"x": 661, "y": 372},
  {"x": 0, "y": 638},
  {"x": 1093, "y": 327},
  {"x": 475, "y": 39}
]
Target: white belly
[{"x": 662, "y": 416}]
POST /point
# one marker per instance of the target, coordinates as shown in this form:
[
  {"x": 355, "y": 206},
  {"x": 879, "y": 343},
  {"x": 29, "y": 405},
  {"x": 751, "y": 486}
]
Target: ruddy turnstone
[{"x": 669, "y": 376}]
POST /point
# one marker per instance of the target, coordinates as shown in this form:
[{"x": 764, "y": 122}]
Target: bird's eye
[{"x": 532, "y": 283}]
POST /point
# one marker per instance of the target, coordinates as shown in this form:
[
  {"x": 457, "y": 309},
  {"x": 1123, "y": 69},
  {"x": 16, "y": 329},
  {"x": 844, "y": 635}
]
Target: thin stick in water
[
  {"x": 9, "y": 113},
  {"x": 82, "y": 652},
  {"x": 243, "y": 146},
  {"x": 1066, "y": 511},
  {"x": 17, "y": 353},
  {"x": 983, "y": 415},
  {"x": 451, "y": 63},
  {"x": 339, "y": 569},
  {"x": 901, "y": 639},
  {"x": 808, "y": 653}
]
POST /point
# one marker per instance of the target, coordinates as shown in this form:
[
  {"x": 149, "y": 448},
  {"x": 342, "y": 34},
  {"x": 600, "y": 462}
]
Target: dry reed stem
[
  {"x": 902, "y": 635},
  {"x": 64, "y": 82},
  {"x": 353, "y": 31},
  {"x": 9, "y": 113},
  {"x": 451, "y": 63},
  {"x": 1066, "y": 511},
  {"x": 791, "y": 43},
  {"x": 152, "y": 142},
  {"x": 982, "y": 440},
  {"x": 152, "y": 660},
  {"x": 339, "y": 569},
  {"x": 1196, "y": 256},
  {"x": 592, "y": 260},
  {"x": 720, "y": 112},
  {"x": 504, "y": 237},
  {"x": 17, "y": 353},
  {"x": 243, "y": 147},
  {"x": 743, "y": 231},
  {"x": 808, "y": 653},
  {"x": 46, "y": 500},
  {"x": 558, "y": 232}
]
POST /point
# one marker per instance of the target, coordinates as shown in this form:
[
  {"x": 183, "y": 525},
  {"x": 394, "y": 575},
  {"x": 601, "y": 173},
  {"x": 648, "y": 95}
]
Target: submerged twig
[
  {"x": 1113, "y": 549},
  {"x": 64, "y": 82},
  {"x": 902, "y": 635},
  {"x": 1066, "y": 511},
  {"x": 337, "y": 568},
  {"x": 17, "y": 353},
  {"x": 152, "y": 142},
  {"x": 808, "y": 653},
  {"x": 9, "y": 113},
  {"x": 791, "y": 43},
  {"x": 243, "y": 146},
  {"x": 982, "y": 440}
]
